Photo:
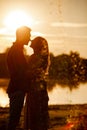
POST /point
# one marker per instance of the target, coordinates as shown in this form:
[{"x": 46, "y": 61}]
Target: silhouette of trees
[
  {"x": 3, "y": 66},
  {"x": 66, "y": 70}
]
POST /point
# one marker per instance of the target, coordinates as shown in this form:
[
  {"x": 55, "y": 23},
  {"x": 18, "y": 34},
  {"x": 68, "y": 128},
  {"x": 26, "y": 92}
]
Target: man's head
[{"x": 23, "y": 35}]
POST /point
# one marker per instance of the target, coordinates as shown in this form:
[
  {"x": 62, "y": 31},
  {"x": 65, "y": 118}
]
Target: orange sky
[
  {"x": 62, "y": 22},
  {"x": 54, "y": 19}
]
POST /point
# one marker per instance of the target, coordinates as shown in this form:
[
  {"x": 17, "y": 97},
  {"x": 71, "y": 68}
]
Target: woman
[{"x": 37, "y": 98}]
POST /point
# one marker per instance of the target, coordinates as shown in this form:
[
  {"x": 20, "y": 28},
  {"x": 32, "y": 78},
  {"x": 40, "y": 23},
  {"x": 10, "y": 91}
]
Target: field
[{"x": 62, "y": 117}]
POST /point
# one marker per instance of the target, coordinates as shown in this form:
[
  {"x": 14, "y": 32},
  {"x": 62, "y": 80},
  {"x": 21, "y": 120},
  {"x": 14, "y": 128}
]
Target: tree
[{"x": 67, "y": 70}]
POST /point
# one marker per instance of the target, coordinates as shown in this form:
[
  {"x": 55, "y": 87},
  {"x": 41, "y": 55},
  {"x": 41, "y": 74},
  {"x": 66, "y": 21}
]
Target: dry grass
[{"x": 61, "y": 117}]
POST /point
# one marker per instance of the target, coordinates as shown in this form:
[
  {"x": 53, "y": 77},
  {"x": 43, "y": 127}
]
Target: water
[
  {"x": 4, "y": 100},
  {"x": 58, "y": 95}
]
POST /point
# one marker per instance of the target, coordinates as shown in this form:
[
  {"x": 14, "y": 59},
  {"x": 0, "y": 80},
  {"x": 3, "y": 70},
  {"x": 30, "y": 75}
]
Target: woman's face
[
  {"x": 44, "y": 49},
  {"x": 40, "y": 46}
]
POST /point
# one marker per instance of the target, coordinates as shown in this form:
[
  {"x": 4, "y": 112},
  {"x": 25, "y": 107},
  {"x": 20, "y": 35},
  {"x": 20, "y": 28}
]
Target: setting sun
[{"x": 17, "y": 18}]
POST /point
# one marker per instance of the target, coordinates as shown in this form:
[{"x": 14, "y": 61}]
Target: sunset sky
[{"x": 62, "y": 22}]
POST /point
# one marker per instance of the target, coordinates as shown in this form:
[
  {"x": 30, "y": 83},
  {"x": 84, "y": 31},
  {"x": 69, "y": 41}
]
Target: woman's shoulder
[{"x": 34, "y": 58}]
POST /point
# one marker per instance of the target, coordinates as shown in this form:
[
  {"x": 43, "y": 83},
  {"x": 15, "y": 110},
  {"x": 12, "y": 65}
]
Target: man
[{"x": 17, "y": 66}]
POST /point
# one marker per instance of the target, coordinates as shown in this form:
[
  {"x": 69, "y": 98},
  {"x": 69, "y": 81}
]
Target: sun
[{"x": 17, "y": 18}]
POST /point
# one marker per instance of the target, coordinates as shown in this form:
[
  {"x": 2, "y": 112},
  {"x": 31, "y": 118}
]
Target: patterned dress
[{"x": 37, "y": 98}]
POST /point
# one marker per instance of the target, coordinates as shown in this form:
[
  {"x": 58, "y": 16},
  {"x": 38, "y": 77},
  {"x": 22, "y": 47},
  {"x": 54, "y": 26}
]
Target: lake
[{"x": 58, "y": 95}]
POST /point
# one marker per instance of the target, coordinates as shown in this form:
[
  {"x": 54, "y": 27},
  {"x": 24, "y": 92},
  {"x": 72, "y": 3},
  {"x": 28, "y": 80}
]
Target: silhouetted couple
[{"x": 28, "y": 77}]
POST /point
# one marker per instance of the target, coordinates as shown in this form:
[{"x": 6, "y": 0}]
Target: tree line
[
  {"x": 68, "y": 70},
  {"x": 65, "y": 69}
]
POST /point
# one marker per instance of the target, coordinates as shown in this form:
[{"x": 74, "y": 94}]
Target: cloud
[
  {"x": 37, "y": 33},
  {"x": 58, "y": 24}
]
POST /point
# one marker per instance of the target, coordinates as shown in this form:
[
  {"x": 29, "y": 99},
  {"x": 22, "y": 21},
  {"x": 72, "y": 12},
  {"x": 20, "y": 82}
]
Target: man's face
[{"x": 27, "y": 38}]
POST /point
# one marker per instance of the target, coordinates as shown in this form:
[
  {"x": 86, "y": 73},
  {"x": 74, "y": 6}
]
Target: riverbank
[{"x": 62, "y": 117}]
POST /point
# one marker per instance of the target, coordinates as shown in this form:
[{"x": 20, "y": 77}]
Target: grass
[{"x": 70, "y": 116}]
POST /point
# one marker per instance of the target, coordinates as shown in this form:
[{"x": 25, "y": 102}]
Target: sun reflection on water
[{"x": 4, "y": 100}]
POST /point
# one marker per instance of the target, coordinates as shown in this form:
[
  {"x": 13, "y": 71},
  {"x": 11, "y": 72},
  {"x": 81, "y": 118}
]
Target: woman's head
[{"x": 39, "y": 45}]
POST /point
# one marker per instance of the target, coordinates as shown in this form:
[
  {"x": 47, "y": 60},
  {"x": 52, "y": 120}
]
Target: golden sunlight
[{"x": 17, "y": 18}]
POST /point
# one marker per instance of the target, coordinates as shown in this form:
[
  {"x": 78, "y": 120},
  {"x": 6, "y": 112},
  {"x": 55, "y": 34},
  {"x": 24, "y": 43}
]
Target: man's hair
[{"x": 22, "y": 31}]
